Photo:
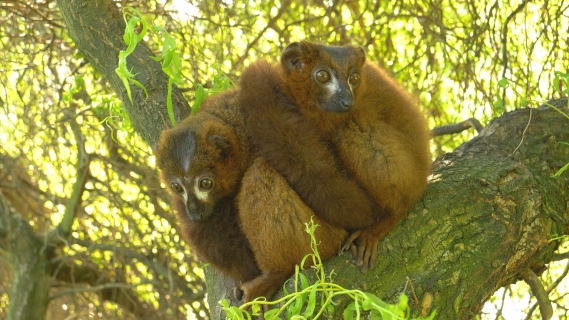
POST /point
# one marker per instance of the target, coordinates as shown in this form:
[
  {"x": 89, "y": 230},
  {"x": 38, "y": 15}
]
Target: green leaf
[
  {"x": 169, "y": 105},
  {"x": 311, "y": 301},
  {"x": 295, "y": 307},
  {"x": 525, "y": 102},
  {"x": 503, "y": 83},
  {"x": 349, "y": 311},
  {"x": 304, "y": 283},
  {"x": 271, "y": 314},
  {"x": 375, "y": 315},
  {"x": 560, "y": 171},
  {"x": 256, "y": 309},
  {"x": 372, "y": 301},
  {"x": 499, "y": 104}
]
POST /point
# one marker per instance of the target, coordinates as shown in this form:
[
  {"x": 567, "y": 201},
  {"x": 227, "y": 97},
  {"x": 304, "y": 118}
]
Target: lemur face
[
  {"x": 329, "y": 75},
  {"x": 193, "y": 163}
]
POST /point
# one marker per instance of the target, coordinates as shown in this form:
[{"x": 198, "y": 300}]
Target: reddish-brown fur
[
  {"x": 295, "y": 148},
  {"x": 253, "y": 226},
  {"x": 275, "y": 226},
  {"x": 383, "y": 142},
  {"x": 217, "y": 239}
]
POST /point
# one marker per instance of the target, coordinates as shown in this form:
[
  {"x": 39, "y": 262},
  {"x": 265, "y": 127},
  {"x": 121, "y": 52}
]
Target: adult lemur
[
  {"x": 327, "y": 135},
  {"x": 371, "y": 159}
]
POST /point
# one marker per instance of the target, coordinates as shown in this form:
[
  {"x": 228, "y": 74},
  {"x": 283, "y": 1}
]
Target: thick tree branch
[
  {"x": 485, "y": 218},
  {"x": 18, "y": 244}
]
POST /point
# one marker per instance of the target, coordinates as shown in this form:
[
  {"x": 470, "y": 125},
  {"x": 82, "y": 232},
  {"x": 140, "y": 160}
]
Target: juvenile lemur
[
  {"x": 202, "y": 161},
  {"x": 367, "y": 159},
  {"x": 237, "y": 213}
]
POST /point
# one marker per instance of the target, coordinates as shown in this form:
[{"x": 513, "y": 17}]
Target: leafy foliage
[{"x": 303, "y": 302}]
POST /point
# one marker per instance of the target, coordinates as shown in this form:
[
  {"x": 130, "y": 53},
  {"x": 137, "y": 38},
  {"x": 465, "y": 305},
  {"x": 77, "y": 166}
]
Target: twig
[
  {"x": 412, "y": 290},
  {"x": 523, "y": 133},
  {"x": 457, "y": 127},
  {"x": 549, "y": 289}
]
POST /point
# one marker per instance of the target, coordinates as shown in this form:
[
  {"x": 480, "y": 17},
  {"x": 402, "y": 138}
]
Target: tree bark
[
  {"x": 29, "y": 291},
  {"x": 485, "y": 220},
  {"x": 97, "y": 29}
]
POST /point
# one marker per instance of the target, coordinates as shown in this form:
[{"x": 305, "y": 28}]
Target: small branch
[
  {"x": 540, "y": 294},
  {"x": 549, "y": 289},
  {"x": 98, "y": 288},
  {"x": 282, "y": 10},
  {"x": 82, "y": 167},
  {"x": 505, "y": 35},
  {"x": 560, "y": 256},
  {"x": 457, "y": 128}
]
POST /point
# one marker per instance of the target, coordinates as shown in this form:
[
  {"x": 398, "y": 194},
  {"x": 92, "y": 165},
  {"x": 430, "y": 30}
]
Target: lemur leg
[{"x": 273, "y": 219}]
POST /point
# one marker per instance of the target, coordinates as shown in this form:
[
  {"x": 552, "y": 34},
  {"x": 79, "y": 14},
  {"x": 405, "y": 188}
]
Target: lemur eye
[
  {"x": 322, "y": 76},
  {"x": 354, "y": 79},
  {"x": 206, "y": 184},
  {"x": 176, "y": 187}
]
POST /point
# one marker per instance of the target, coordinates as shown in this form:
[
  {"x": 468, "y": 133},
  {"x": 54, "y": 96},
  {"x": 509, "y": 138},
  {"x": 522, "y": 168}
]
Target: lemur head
[
  {"x": 201, "y": 163},
  {"x": 322, "y": 76}
]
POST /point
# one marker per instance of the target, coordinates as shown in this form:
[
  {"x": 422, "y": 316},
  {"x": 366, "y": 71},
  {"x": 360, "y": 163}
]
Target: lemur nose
[{"x": 347, "y": 104}]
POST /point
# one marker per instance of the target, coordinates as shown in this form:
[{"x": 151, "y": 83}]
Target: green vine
[
  {"x": 302, "y": 303},
  {"x": 171, "y": 62}
]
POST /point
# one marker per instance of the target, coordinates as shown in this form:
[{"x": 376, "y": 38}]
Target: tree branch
[
  {"x": 82, "y": 169},
  {"x": 539, "y": 292},
  {"x": 457, "y": 128},
  {"x": 66, "y": 270},
  {"x": 485, "y": 218},
  {"x": 178, "y": 281},
  {"x": 18, "y": 245}
]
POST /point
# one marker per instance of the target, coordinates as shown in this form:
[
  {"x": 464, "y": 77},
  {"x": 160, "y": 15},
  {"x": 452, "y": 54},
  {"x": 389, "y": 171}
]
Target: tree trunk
[
  {"x": 97, "y": 28},
  {"x": 484, "y": 221},
  {"x": 24, "y": 252}
]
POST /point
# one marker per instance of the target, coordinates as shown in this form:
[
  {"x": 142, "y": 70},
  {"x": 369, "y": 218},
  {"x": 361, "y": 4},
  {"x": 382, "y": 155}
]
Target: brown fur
[
  {"x": 211, "y": 144},
  {"x": 383, "y": 142},
  {"x": 255, "y": 236},
  {"x": 294, "y": 147},
  {"x": 275, "y": 226}
]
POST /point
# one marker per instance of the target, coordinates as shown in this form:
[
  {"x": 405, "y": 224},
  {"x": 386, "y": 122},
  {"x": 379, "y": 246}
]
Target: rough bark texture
[
  {"x": 19, "y": 245},
  {"x": 484, "y": 220},
  {"x": 97, "y": 29}
]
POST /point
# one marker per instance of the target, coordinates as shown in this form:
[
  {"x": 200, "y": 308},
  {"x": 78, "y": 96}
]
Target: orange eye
[
  {"x": 176, "y": 187},
  {"x": 206, "y": 184},
  {"x": 354, "y": 79},
  {"x": 322, "y": 76}
]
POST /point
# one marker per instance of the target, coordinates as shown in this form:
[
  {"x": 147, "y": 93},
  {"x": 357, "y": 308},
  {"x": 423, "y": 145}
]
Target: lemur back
[
  {"x": 373, "y": 126},
  {"x": 296, "y": 149}
]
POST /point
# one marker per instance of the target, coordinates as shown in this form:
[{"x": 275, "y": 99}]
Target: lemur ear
[
  {"x": 362, "y": 55},
  {"x": 222, "y": 143},
  {"x": 291, "y": 57}
]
